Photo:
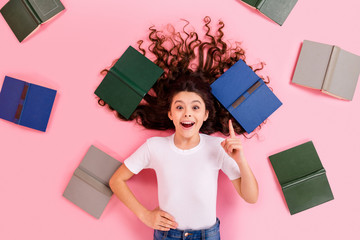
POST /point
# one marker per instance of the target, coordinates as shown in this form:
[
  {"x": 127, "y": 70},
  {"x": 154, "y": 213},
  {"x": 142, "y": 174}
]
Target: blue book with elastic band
[
  {"x": 245, "y": 95},
  {"x": 26, "y": 104}
]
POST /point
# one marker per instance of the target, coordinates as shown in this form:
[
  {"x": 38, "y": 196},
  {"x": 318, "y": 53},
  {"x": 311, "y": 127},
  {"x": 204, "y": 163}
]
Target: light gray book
[
  {"x": 89, "y": 186},
  {"x": 276, "y": 10},
  {"x": 328, "y": 68}
]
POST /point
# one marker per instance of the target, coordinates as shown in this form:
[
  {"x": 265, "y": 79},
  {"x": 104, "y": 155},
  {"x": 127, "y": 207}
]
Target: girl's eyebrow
[{"x": 180, "y": 101}]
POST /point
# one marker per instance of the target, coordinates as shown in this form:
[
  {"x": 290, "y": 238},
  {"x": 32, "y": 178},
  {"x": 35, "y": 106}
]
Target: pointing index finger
[{"x": 231, "y": 129}]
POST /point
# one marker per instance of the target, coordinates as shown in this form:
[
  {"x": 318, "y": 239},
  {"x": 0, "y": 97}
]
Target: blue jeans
[{"x": 212, "y": 233}]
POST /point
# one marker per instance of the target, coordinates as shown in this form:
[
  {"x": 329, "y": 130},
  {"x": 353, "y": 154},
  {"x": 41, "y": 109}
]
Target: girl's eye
[
  {"x": 179, "y": 107},
  {"x": 196, "y": 107}
]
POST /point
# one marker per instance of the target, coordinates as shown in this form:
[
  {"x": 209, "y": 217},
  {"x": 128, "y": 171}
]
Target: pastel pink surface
[{"x": 68, "y": 54}]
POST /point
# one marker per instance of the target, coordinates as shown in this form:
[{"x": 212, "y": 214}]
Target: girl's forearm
[
  {"x": 248, "y": 185},
  {"x": 123, "y": 192}
]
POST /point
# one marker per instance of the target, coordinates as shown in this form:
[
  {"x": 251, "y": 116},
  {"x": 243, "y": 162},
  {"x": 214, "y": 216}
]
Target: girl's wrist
[
  {"x": 142, "y": 214},
  {"x": 240, "y": 158}
]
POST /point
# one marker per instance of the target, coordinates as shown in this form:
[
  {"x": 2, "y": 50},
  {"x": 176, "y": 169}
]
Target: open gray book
[
  {"x": 89, "y": 186},
  {"x": 328, "y": 68}
]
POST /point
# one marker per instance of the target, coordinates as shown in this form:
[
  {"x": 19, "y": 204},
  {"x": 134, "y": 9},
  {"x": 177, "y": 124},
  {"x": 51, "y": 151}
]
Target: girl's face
[{"x": 188, "y": 112}]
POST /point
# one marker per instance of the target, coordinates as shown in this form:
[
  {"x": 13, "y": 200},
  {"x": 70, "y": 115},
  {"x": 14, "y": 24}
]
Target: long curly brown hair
[{"x": 189, "y": 64}]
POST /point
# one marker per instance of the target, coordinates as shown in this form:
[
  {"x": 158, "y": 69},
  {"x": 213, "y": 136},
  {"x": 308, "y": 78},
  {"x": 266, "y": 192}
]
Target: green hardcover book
[
  {"x": 127, "y": 82},
  {"x": 276, "y": 10},
  {"x": 302, "y": 177},
  {"x": 25, "y": 16}
]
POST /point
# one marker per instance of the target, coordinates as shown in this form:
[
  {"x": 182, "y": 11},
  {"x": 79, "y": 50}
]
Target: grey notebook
[
  {"x": 89, "y": 186},
  {"x": 276, "y": 10},
  {"x": 328, "y": 68}
]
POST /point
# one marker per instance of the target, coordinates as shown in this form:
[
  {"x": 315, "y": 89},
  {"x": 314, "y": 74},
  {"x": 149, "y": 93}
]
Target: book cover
[
  {"x": 245, "y": 95},
  {"x": 25, "y": 16},
  {"x": 89, "y": 187},
  {"x": 276, "y": 10},
  {"x": 302, "y": 177},
  {"x": 26, "y": 104},
  {"x": 46, "y": 9},
  {"x": 327, "y": 68},
  {"x": 252, "y": 3},
  {"x": 127, "y": 82}
]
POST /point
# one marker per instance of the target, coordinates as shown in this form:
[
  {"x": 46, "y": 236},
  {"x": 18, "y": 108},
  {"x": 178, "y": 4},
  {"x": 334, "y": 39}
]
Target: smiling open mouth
[{"x": 187, "y": 124}]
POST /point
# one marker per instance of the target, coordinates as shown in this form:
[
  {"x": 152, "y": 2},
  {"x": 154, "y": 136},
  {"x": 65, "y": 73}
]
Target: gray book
[
  {"x": 328, "y": 68},
  {"x": 89, "y": 186},
  {"x": 276, "y": 10}
]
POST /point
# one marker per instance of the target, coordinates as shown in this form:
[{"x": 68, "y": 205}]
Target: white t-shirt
[{"x": 187, "y": 179}]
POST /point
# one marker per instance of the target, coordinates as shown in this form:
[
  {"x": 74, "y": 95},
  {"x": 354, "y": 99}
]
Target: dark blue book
[
  {"x": 245, "y": 95},
  {"x": 26, "y": 104}
]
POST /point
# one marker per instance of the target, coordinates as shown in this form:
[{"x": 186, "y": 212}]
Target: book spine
[
  {"x": 127, "y": 82},
  {"x": 259, "y": 4},
  {"x": 303, "y": 179},
  {"x": 32, "y": 11},
  {"x": 330, "y": 68},
  {"x": 92, "y": 181},
  {"x": 22, "y": 101},
  {"x": 245, "y": 95}
]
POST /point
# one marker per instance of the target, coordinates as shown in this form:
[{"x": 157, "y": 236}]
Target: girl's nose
[{"x": 187, "y": 115}]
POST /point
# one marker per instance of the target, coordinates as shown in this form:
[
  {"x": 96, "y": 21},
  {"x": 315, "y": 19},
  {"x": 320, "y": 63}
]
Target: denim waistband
[{"x": 192, "y": 234}]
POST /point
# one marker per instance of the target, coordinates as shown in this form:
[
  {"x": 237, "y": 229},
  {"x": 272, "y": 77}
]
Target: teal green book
[
  {"x": 302, "y": 177},
  {"x": 128, "y": 81},
  {"x": 276, "y": 10},
  {"x": 25, "y": 16}
]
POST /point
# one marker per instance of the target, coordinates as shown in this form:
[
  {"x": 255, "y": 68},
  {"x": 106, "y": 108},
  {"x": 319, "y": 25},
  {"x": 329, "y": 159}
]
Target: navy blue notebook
[
  {"x": 26, "y": 104},
  {"x": 245, "y": 95}
]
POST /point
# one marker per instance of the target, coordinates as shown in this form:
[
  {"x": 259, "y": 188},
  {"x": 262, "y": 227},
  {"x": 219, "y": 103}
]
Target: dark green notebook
[
  {"x": 302, "y": 177},
  {"x": 25, "y": 16},
  {"x": 127, "y": 82},
  {"x": 276, "y": 10}
]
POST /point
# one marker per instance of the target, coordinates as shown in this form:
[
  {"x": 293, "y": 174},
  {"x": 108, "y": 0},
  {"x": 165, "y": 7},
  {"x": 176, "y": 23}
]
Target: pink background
[{"x": 68, "y": 53}]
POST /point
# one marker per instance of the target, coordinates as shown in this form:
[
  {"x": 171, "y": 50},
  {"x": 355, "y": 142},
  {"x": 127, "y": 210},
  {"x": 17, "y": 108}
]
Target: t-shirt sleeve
[
  {"x": 139, "y": 160},
  {"x": 229, "y": 166}
]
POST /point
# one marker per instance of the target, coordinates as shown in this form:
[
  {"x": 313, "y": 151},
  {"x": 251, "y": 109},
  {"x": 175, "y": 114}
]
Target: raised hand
[
  {"x": 160, "y": 220},
  {"x": 232, "y": 144}
]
